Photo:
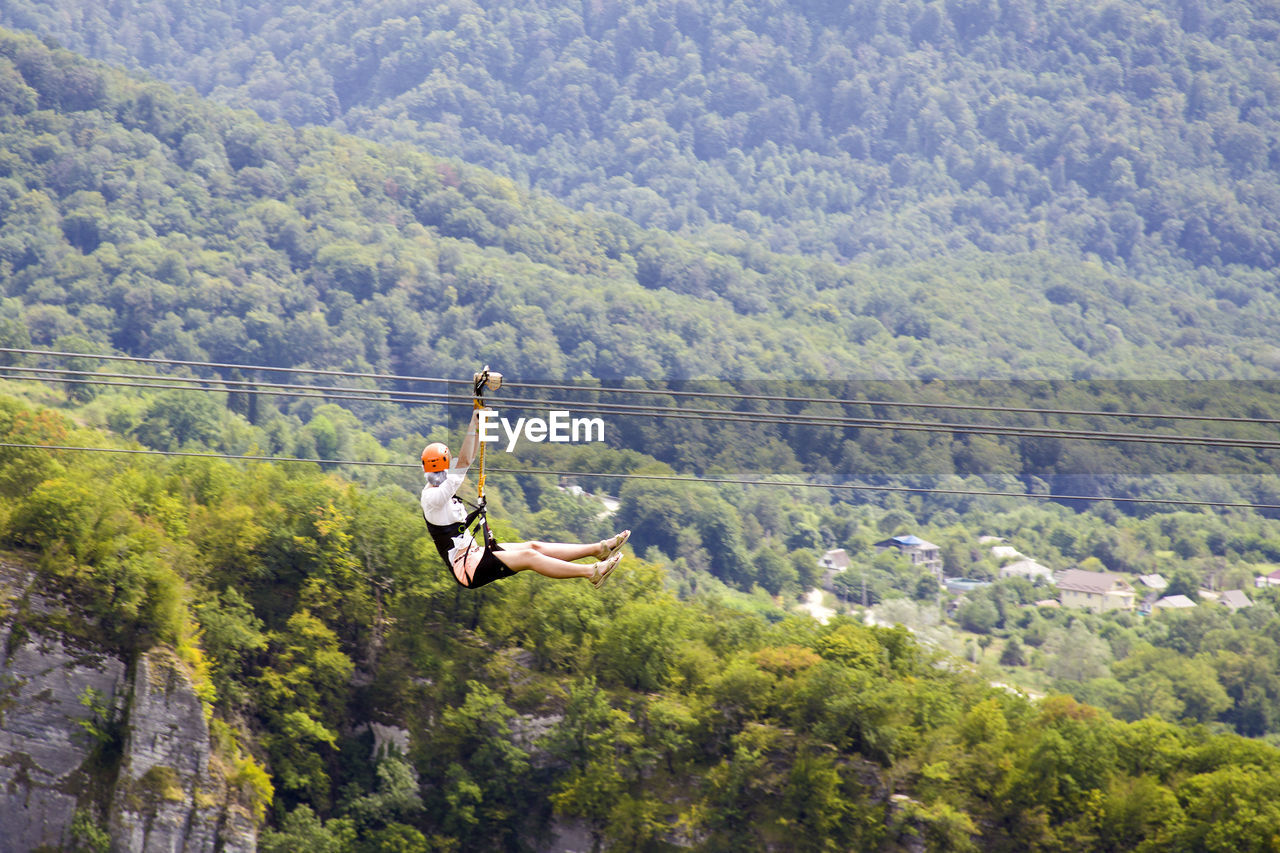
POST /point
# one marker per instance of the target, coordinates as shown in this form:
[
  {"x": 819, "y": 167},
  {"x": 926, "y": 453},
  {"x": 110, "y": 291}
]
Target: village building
[
  {"x": 1005, "y": 552},
  {"x": 1155, "y": 581},
  {"x": 1173, "y": 602},
  {"x": 1096, "y": 591},
  {"x": 836, "y": 560},
  {"x": 1235, "y": 599},
  {"x": 918, "y": 551},
  {"x": 833, "y": 563},
  {"x": 1272, "y": 579},
  {"x": 1029, "y": 569},
  {"x": 1152, "y": 589},
  {"x": 963, "y": 585}
]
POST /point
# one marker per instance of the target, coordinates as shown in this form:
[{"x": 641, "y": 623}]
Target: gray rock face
[
  {"x": 167, "y": 797},
  {"x": 167, "y": 792},
  {"x": 44, "y": 739}
]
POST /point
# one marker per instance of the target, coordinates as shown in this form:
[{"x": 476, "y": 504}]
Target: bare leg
[
  {"x": 566, "y": 551},
  {"x": 574, "y": 551},
  {"x": 519, "y": 559}
]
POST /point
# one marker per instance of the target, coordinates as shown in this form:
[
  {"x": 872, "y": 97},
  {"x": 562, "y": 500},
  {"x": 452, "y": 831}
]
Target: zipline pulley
[{"x": 482, "y": 380}]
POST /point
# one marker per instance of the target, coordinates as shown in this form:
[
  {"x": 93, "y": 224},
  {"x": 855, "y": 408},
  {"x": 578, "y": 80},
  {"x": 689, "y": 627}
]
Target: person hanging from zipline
[{"x": 475, "y": 564}]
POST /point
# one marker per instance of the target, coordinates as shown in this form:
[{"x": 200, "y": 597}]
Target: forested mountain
[
  {"x": 144, "y": 221},
  {"x": 683, "y": 704},
  {"x": 147, "y": 221},
  {"x": 1140, "y": 133}
]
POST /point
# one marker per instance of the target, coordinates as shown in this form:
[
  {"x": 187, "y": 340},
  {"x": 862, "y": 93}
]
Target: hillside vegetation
[
  {"x": 152, "y": 223},
  {"x": 683, "y": 704},
  {"x": 306, "y": 607},
  {"x": 1141, "y": 133}
]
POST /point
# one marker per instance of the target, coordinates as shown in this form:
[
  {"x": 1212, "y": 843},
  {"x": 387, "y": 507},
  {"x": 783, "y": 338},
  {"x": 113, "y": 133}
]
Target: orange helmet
[{"x": 435, "y": 457}]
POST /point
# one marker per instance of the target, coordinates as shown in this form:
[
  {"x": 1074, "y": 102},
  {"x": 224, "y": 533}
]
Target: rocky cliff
[{"x": 98, "y": 750}]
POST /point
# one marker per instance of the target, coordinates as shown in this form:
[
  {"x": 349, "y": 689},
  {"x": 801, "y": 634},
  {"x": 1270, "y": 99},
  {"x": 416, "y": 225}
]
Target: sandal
[
  {"x": 618, "y": 541},
  {"x": 601, "y": 571}
]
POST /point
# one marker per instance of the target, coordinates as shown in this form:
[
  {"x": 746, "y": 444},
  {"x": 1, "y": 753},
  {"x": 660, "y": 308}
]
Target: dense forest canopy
[
  {"x": 1140, "y": 133},
  {"x": 303, "y": 607},
  {"x": 967, "y": 188},
  {"x": 146, "y": 221}
]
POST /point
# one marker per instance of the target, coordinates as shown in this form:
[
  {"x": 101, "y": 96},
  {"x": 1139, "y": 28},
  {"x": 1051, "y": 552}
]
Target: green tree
[
  {"x": 639, "y": 646},
  {"x": 1076, "y": 653},
  {"x": 592, "y": 739},
  {"x": 1165, "y": 683},
  {"x": 232, "y": 634},
  {"x": 1013, "y": 653},
  {"x": 1230, "y": 808},
  {"x": 1138, "y": 814},
  {"x": 301, "y": 693},
  {"x": 302, "y": 829},
  {"x": 479, "y": 775},
  {"x": 978, "y": 614},
  {"x": 177, "y": 419},
  {"x": 775, "y": 573}
]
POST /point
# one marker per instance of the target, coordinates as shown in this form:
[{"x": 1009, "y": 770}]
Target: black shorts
[{"x": 490, "y": 569}]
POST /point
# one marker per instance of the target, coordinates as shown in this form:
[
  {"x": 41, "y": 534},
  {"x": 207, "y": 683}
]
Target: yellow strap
[{"x": 479, "y": 404}]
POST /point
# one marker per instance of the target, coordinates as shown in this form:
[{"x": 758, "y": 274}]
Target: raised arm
[{"x": 467, "y": 452}]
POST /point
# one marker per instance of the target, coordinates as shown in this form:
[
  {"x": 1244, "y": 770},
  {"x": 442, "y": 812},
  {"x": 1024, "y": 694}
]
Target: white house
[
  {"x": 1096, "y": 591},
  {"x": 833, "y": 563},
  {"x": 836, "y": 560},
  {"x": 1028, "y": 569},
  {"x": 915, "y": 549},
  {"x": 1235, "y": 599},
  {"x": 1173, "y": 602},
  {"x": 1272, "y": 579},
  {"x": 1156, "y": 582}
]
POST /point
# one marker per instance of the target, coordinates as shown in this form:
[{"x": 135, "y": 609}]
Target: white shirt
[{"x": 440, "y": 506}]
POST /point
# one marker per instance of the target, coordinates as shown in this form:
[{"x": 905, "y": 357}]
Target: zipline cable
[
  {"x": 851, "y": 487},
  {"x": 925, "y": 426},
  {"x": 320, "y": 393},
  {"x": 854, "y": 487},
  {"x": 702, "y": 415},
  {"x": 236, "y": 386},
  {"x": 202, "y": 454},
  {"x": 895, "y": 403},
  {"x": 665, "y": 392},
  {"x": 309, "y": 371}
]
